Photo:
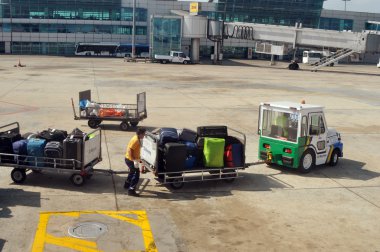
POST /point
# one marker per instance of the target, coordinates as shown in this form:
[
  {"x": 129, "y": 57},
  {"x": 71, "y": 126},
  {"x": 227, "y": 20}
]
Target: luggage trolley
[
  {"x": 152, "y": 158},
  {"x": 95, "y": 112},
  {"x": 80, "y": 170}
]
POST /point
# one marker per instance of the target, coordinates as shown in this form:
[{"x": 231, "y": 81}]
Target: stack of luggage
[
  {"x": 88, "y": 109},
  {"x": 46, "y": 148},
  {"x": 209, "y": 147}
]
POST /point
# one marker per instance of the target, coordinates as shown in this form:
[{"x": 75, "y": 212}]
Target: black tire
[
  {"x": 176, "y": 183},
  {"x": 124, "y": 126},
  {"x": 332, "y": 64},
  {"x": 334, "y": 158},
  {"x": 307, "y": 161},
  {"x": 18, "y": 175},
  {"x": 134, "y": 124},
  {"x": 88, "y": 54},
  {"x": 77, "y": 179},
  {"x": 164, "y": 62},
  {"x": 93, "y": 123},
  {"x": 185, "y": 62}
]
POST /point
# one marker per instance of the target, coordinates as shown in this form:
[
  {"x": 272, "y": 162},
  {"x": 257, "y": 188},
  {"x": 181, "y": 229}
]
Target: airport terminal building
[{"x": 53, "y": 27}]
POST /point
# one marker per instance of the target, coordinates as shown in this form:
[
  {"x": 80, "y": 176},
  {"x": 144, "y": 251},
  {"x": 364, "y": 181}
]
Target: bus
[
  {"x": 125, "y": 50},
  {"x": 99, "y": 49},
  {"x": 111, "y": 49},
  {"x": 313, "y": 57}
]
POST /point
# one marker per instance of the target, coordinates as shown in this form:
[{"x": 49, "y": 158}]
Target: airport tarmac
[{"x": 268, "y": 209}]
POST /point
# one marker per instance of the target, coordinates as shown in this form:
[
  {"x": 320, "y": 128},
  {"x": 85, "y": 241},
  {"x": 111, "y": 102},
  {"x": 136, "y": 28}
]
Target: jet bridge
[{"x": 347, "y": 42}]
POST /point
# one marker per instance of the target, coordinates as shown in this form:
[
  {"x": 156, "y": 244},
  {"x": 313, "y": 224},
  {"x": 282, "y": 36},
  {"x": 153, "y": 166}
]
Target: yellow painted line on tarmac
[{"x": 42, "y": 237}]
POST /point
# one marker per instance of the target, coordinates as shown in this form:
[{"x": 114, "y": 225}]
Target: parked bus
[
  {"x": 125, "y": 50},
  {"x": 312, "y": 57},
  {"x": 100, "y": 49}
]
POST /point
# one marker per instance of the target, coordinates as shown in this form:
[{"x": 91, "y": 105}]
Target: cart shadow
[
  {"x": 17, "y": 197},
  {"x": 99, "y": 183},
  {"x": 211, "y": 189},
  {"x": 116, "y": 127},
  {"x": 2, "y": 242},
  {"x": 346, "y": 169}
]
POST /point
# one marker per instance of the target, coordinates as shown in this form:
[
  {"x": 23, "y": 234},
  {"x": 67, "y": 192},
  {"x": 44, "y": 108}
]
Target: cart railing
[{"x": 9, "y": 128}]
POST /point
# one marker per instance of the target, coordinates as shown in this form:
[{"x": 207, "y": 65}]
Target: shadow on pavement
[
  {"x": 17, "y": 197},
  {"x": 212, "y": 188},
  {"x": 2, "y": 242},
  {"x": 116, "y": 127},
  {"x": 346, "y": 168}
]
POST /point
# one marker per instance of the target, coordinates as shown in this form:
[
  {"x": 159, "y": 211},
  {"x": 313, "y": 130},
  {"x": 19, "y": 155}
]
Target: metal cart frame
[
  {"x": 178, "y": 179},
  {"x": 79, "y": 171},
  {"x": 134, "y": 113}
]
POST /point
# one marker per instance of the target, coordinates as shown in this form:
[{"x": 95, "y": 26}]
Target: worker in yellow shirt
[{"x": 132, "y": 159}]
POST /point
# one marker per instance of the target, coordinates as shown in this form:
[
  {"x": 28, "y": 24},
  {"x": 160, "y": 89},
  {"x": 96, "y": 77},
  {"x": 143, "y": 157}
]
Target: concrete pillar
[
  {"x": 216, "y": 51},
  {"x": 195, "y": 46}
]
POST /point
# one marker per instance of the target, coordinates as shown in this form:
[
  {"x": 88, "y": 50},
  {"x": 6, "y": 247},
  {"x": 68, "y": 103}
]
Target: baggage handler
[{"x": 132, "y": 159}]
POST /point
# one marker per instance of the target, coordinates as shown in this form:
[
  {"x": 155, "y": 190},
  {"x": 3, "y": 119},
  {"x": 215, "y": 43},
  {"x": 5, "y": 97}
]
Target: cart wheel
[
  {"x": 134, "y": 124},
  {"x": 93, "y": 123},
  {"x": 18, "y": 175},
  {"x": 124, "y": 126},
  {"x": 77, "y": 179},
  {"x": 176, "y": 183}
]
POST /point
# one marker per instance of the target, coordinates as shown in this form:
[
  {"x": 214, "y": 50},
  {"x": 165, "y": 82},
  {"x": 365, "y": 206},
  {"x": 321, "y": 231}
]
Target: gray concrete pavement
[{"x": 269, "y": 209}]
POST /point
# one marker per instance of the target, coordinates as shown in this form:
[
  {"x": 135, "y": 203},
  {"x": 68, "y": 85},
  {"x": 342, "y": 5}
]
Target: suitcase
[
  {"x": 53, "y": 135},
  {"x": 188, "y": 135},
  {"x": 213, "y": 152},
  {"x": 6, "y": 141},
  {"x": 53, "y": 150},
  {"x": 228, "y": 157},
  {"x": 212, "y": 131},
  {"x": 190, "y": 162},
  {"x": 77, "y": 133},
  {"x": 237, "y": 155},
  {"x": 72, "y": 149},
  {"x": 168, "y": 135},
  {"x": 35, "y": 148},
  {"x": 175, "y": 157},
  {"x": 192, "y": 148},
  {"x": 20, "y": 148}
]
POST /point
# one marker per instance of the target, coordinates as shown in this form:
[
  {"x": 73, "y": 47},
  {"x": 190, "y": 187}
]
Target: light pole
[
  {"x": 345, "y": 4},
  {"x": 10, "y": 17},
  {"x": 134, "y": 30}
]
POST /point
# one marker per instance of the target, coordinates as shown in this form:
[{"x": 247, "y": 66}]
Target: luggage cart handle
[
  {"x": 14, "y": 123},
  {"x": 75, "y": 114}
]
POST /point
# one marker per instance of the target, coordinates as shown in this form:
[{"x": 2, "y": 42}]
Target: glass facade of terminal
[
  {"x": 336, "y": 24},
  {"x": 277, "y": 12},
  {"x": 372, "y": 26},
  {"x": 166, "y": 35}
]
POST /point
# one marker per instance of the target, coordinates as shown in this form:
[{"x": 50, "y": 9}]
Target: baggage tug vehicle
[{"x": 296, "y": 135}]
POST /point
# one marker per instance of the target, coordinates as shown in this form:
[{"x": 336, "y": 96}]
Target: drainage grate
[{"x": 87, "y": 230}]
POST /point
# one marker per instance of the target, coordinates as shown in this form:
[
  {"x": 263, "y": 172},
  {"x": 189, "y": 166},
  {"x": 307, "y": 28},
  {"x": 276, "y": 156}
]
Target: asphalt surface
[{"x": 268, "y": 209}]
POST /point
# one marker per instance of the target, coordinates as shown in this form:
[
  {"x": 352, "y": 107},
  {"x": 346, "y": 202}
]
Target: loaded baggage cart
[
  {"x": 95, "y": 112},
  {"x": 203, "y": 157},
  {"x": 76, "y": 155}
]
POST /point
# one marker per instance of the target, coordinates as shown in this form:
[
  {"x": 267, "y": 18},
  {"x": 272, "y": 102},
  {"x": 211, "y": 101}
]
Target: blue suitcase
[
  {"x": 168, "y": 135},
  {"x": 36, "y": 148},
  {"x": 20, "y": 148}
]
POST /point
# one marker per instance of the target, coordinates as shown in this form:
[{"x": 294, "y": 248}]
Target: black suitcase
[
  {"x": 188, "y": 135},
  {"x": 53, "y": 135},
  {"x": 6, "y": 141},
  {"x": 77, "y": 133},
  {"x": 167, "y": 135},
  {"x": 53, "y": 150},
  {"x": 175, "y": 157},
  {"x": 212, "y": 131},
  {"x": 72, "y": 149}
]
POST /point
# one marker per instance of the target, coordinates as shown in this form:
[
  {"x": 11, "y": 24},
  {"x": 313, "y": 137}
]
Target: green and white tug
[{"x": 296, "y": 135}]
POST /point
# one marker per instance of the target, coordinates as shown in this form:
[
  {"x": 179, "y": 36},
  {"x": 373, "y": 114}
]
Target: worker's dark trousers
[{"x": 133, "y": 176}]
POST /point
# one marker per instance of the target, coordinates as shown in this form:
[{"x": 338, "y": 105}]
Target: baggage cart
[
  {"x": 79, "y": 170},
  {"x": 95, "y": 112},
  {"x": 150, "y": 156}
]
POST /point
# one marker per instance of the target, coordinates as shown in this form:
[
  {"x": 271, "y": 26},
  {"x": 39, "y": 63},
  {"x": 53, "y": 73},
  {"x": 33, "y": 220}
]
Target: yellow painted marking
[
  {"x": 42, "y": 237},
  {"x": 72, "y": 243}
]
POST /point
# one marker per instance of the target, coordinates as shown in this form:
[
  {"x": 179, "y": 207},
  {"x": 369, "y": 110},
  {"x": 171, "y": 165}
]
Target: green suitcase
[{"x": 213, "y": 152}]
